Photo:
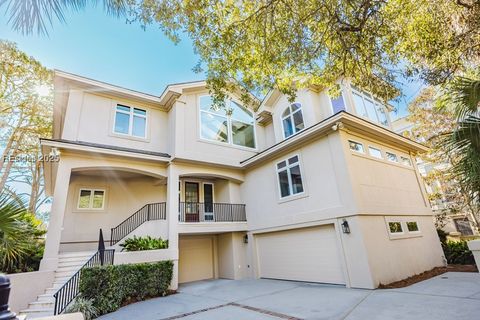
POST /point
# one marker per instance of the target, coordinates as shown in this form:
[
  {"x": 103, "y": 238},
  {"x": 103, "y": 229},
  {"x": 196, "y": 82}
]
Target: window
[
  {"x": 338, "y": 103},
  {"x": 289, "y": 177},
  {"x": 233, "y": 124},
  {"x": 412, "y": 226},
  {"x": 356, "y": 146},
  {"x": 369, "y": 107},
  {"x": 374, "y": 152},
  {"x": 130, "y": 121},
  {"x": 91, "y": 199},
  {"x": 292, "y": 120},
  {"x": 463, "y": 226},
  {"x": 406, "y": 161},
  {"x": 395, "y": 227},
  {"x": 391, "y": 157}
]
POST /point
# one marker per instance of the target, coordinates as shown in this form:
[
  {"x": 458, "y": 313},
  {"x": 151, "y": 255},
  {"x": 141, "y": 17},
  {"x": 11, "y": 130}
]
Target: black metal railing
[
  {"x": 151, "y": 211},
  {"x": 211, "y": 212},
  {"x": 71, "y": 288}
]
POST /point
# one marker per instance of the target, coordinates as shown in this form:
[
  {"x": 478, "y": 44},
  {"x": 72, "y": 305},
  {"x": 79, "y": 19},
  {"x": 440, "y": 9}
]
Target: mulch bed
[{"x": 429, "y": 274}]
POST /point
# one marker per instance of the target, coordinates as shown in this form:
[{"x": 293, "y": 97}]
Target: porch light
[
  {"x": 245, "y": 238},
  {"x": 345, "y": 226}
]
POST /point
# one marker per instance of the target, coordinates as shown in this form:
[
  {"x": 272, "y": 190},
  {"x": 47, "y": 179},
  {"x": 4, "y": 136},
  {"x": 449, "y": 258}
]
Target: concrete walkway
[{"x": 449, "y": 296}]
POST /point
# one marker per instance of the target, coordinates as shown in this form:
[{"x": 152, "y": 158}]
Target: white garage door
[
  {"x": 195, "y": 261},
  {"x": 307, "y": 254}
]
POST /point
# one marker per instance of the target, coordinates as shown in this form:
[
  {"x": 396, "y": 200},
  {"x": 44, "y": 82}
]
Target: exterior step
[
  {"x": 63, "y": 274},
  {"x": 77, "y": 260},
  {"x": 76, "y": 254},
  {"x": 37, "y": 312},
  {"x": 41, "y": 305}
]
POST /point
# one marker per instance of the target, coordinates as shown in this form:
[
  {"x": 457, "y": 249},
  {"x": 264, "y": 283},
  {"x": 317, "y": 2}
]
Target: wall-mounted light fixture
[
  {"x": 345, "y": 226},
  {"x": 245, "y": 238}
]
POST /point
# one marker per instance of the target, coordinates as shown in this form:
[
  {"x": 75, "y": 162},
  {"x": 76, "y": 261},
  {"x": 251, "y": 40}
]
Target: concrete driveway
[{"x": 449, "y": 296}]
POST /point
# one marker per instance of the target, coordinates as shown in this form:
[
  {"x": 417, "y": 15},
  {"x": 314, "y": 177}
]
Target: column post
[
  {"x": 57, "y": 213},
  {"x": 172, "y": 218}
]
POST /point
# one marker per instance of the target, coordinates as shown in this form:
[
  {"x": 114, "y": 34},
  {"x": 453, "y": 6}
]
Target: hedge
[
  {"x": 457, "y": 252},
  {"x": 110, "y": 287}
]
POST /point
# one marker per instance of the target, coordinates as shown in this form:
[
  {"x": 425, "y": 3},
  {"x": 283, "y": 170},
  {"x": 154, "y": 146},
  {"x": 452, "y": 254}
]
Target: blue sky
[{"x": 106, "y": 48}]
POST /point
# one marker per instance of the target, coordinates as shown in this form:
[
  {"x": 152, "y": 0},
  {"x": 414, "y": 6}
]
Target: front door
[{"x": 191, "y": 202}]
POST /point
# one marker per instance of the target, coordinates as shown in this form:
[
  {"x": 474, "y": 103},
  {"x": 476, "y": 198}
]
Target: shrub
[
  {"x": 144, "y": 243},
  {"x": 110, "y": 287},
  {"x": 85, "y": 306},
  {"x": 457, "y": 252}
]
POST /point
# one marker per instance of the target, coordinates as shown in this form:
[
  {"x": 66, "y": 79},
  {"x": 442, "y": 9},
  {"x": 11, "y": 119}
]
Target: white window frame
[
  {"x": 393, "y": 154},
  {"x": 213, "y": 195},
  {"x": 410, "y": 221},
  {"x": 377, "y": 149},
  {"x": 131, "y": 114},
  {"x": 344, "y": 100},
  {"x": 229, "y": 125},
  {"x": 375, "y": 102},
  {"x": 290, "y": 115},
  {"x": 290, "y": 184},
  {"x": 401, "y": 226},
  {"x": 92, "y": 193},
  {"x": 406, "y": 158}
]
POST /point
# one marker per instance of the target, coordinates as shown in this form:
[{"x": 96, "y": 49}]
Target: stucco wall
[
  {"x": 393, "y": 259},
  {"x": 90, "y": 118},
  {"x": 25, "y": 287},
  {"x": 326, "y": 192},
  {"x": 123, "y": 198}
]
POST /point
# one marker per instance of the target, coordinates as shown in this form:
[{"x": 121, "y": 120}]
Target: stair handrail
[
  {"x": 71, "y": 288},
  {"x": 149, "y": 212}
]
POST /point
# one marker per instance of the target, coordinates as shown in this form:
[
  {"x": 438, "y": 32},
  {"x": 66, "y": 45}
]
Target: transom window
[
  {"x": 130, "y": 121},
  {"x": 406, "y": 161},
  {"x": 368, "y": 107},
  {"x": 375, "y": 152},
  {"x": 233, "y": 124},
  {"x": 391, "y": 157},
  {"x": 356, "y": 146},
  {"x": 292, "y": 120},
  {"x": 412, "y": 226},
  {"x": 91, "y": 199},
  {"x": 289, "y": 177},
  {"x": 395, "y": 227}
]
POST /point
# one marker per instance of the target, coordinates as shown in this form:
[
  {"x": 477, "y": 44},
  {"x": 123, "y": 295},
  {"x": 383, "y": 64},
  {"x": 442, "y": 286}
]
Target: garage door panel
[
  {"x": 308, "y": 254},
  {"x": 195, "y": 259}
]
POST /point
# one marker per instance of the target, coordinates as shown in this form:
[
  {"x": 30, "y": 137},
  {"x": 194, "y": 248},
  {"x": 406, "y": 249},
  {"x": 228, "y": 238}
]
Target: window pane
[
  {"x": 121, "y": 122},
  {"x": 84, "y": 201},
  {"x": 281, "y": 165},
  {"x": 296, "y": 179},
  {"x": 140, "y": 112},
  {"x": 139, "y": 124},
  {"x": 395, "y": 227},
  {"x": 391, "y": 157},
  {"x": 370, "y": 106},
  {"x": 295, "y": 106},
  {"x": 463, "y": 226},
  {"x": 287, "y": 127},
  {"x": 214, "y": 127},
  {"x": 412, "y": 226},
  {"x": 338, "y": 104},
  {"x": 382, "y": 116},
  {"x": 374, "y": 152},
  {"x": 243, "y": 134},
  {"x": 406, "y": 161},
  {"x": 355, "y": 146},
  {"x": 123, "y": 108},
  {"x": 98, "y": 199},
  {"x": 240, "y": 113},
  {"x": 206, "y": 103},
  {"x": 360, "y": 108},
  {"x": 293, "y": 160},
  {"x": 298, "y": 120},
  {"x": 283, "y": 180},
  {"x": 286, "y": 112}
]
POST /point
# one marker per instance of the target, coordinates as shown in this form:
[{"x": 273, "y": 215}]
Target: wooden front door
[{"x": 192, "y": 202}]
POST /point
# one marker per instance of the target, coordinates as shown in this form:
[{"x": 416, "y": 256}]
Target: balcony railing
[{"x": 211, "y": 212}]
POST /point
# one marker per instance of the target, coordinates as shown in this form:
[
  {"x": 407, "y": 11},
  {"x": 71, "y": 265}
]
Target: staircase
[{"x": 68, "y": 264}]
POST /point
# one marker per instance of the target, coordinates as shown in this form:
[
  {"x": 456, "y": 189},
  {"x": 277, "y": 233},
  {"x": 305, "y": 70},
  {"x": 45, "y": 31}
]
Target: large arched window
[
  {"x": 292, "y": 120},
  {"x": 233, "y": 124}
]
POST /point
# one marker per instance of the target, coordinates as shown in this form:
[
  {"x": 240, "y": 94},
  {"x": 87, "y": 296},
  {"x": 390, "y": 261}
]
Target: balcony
[{"x": 191, "y": 212}]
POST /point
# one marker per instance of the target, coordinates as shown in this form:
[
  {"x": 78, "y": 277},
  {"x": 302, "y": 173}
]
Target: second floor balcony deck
[{"x": 191, "y": 212}]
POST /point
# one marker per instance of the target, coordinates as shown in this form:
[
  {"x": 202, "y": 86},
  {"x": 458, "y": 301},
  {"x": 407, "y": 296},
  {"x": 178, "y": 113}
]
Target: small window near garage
[
  {"x": 395, "y": 227},
  {"x": 356, "y": 146},
  {"x": 391, "y": 156},
  {"x": 91, "y": 199},
  {"x": 412, "y": 226},
  {"x": 406, "y": 161},
  {"x": 289, "y": 177},
  {"x": 374, "y": 152}
]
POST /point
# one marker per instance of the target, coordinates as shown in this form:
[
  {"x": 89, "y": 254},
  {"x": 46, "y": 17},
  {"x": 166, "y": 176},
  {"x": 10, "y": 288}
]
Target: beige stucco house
[{"x": 317, "y": 190}]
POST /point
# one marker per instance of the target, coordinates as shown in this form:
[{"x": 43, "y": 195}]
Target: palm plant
[
  {"x": 27, "y": 16},
  {"x": 13, "y": 231}
]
